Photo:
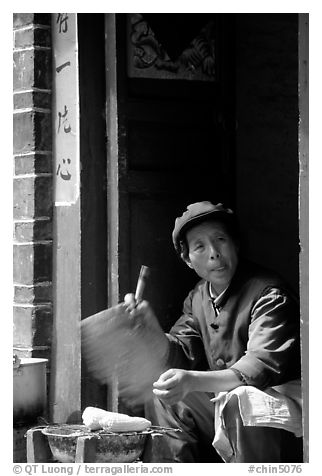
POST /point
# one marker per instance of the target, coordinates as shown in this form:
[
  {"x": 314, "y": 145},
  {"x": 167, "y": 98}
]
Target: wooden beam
[{"x": 65, "y": 381}]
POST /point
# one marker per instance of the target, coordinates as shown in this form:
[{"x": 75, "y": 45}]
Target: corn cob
[
  {"x": 96, "y": 418},
  {"x": 91, "y": 417}
]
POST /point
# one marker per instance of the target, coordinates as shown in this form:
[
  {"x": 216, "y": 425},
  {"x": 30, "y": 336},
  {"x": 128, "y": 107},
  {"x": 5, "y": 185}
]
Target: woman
[{"x": 237, "y": 341}]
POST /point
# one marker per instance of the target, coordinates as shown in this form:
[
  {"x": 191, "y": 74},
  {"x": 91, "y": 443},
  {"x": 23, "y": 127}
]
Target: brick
[
  {"x": 43, "y": 196},
  {"x": 23, "y": 132},
  {"x": 22, "y": 328},
  {"x": 20, "y": 351},
  {"x": 32, "y": 68},
  {"x": 32, "y": 263},
  {"x": 33, "y": 231},
  {"x": 23, "y": 69},
  {"x": 43, "y": 131},
  {"x": 29, "y": 99},
  {"x": 32, "y": 37},
  {"x": 42, "y": 18},
  {"x": 33, "y": 163},
  {"x": 33, "y": 294},
  {"x": 41, "y": 99},
  {"x": 23, "y": 198},
  {"x": 42, "y": 326},
  {"x": 43, "y": 69},
  {"x": 43, "y": 262},
  {"x": 31, "y": 131},
  {"x": 32, "y": 326},
  {"x": 44, "y": 354},
  {"x": 32, "y": 197},
  {"x": 24, "y": 19}
]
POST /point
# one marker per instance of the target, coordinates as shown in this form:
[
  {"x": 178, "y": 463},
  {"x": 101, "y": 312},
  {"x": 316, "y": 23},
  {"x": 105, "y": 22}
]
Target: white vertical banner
[{"x": 65, "y": 109}]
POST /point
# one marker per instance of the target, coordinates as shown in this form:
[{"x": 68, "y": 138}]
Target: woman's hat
[{"x": 197, "y": 213}]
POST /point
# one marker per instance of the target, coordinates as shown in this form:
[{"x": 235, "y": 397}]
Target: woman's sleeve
[
  {"x": 186, "y": 345},
  {"x": 273, "y": 348}
]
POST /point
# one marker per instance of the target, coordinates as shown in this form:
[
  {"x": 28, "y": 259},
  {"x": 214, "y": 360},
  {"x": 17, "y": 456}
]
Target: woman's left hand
[{"x": 173, "y": 385}]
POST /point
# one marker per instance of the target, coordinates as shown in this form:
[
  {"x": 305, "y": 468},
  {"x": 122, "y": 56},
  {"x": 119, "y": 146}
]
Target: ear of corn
[
  {"x": 91, "y": 417},
  {"x": 96, "y": 418}
]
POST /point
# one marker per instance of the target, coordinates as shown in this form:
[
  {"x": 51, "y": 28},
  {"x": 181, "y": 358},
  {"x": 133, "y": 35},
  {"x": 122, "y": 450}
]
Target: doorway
[{"x": 168, "y": 142}]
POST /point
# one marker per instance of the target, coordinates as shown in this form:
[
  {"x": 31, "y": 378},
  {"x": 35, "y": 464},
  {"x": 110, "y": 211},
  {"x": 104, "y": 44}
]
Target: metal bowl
[{"x": 110, "y": 447}]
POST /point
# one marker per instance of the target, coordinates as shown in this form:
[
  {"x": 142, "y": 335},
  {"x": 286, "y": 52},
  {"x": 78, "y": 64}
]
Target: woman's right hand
[
  {"x": 130, "y": 302},
  {"x": 145, "y": 321}
]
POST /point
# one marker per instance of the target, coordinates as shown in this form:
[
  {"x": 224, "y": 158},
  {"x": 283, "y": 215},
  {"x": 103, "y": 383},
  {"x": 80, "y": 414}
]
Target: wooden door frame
[
  {"x": 303, "y": 142},
  {"x": 113, "y": 195},
  {"x": 112, "y": 160}
]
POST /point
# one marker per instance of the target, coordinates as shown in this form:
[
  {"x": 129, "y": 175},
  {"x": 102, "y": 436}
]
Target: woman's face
[{"x": 213, "y": 254}]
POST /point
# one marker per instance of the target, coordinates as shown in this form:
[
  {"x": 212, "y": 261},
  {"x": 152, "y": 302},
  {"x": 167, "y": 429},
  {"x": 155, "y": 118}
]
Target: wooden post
[
  {"x": 112, "y": 180},
  {"x": 86, "y": 449},
  {"x": 38, "y": 450},
  {"x": 65, "y": 384}
]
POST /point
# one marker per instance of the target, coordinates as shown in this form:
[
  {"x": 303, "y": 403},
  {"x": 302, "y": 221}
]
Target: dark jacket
[{"x": 255, "y": 329}]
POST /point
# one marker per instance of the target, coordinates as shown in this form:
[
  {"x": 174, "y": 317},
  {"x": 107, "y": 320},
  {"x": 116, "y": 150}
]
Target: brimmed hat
[{"x": 196, "y": 213}]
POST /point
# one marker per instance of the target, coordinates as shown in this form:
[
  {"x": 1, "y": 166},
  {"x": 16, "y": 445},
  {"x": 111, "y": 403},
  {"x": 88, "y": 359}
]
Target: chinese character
[
  {"x": 63, "y": 120},
  {"x": 59, "y": 68},
  {"x": 65, "y": 175},
  {"x": 62, "y": 21}
]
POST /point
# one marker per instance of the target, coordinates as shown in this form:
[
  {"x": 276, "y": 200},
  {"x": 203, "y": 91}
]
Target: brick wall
[{"x": 32, "y": 187}]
